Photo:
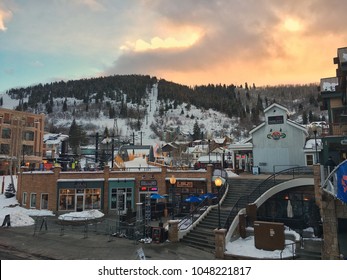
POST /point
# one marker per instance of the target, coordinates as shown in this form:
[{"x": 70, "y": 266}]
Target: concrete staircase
[{"x": 202, "y": 236}]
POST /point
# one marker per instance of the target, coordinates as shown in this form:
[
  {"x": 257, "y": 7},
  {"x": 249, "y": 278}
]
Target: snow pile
[
  {"x": 246, "y": 247},
  {"x": 81, "y": 216},
  {"x": 19, "y": 216}
]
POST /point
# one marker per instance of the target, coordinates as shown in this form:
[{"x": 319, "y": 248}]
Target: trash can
[
  {"x": 255, "y": 170},
  {"x": 156, "y": 234}
]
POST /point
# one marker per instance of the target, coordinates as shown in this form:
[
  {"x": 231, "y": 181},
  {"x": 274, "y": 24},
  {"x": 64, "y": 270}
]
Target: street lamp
[
  {"x": 173, "y": 182},
  {"x": 218, "y": 182},
  {"x": 315, "y": 130}
]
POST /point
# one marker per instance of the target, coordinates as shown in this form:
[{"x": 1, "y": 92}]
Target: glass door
[
  {"x": 79, "y": 202},
  {"x": 121, "y": 199}
]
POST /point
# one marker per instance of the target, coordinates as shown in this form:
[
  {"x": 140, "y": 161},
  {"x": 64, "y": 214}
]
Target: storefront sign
[
  {"x": 184, "y": 184},
  {"x": 148, "y": 189},
  {"x": 148, "y": 183}
]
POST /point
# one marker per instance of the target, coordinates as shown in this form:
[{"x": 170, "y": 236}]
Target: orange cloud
[{"x": 4, "y": 15}]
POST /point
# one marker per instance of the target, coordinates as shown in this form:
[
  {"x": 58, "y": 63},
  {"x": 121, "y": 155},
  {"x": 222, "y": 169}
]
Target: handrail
[
  {"x": 272, "y": 180},
  {"x": 189, "y": 219}
]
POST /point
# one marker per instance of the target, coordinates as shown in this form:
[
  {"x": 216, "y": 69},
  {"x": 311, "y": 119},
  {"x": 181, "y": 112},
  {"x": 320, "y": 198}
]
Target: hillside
[{"x": 143, "y": 110}]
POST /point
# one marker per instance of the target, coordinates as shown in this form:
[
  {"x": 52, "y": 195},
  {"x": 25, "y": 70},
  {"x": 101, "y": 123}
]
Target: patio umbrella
[
  {"x": 156, "y": 196},
  {"x": 193, "y": 199}
]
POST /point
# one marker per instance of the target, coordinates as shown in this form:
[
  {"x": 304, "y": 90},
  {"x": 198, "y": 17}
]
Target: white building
[{"x": 278, "y": 143}]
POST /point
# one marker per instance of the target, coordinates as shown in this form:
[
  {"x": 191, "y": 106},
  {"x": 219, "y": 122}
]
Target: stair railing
[
  {"x": 195, "y": 214},
  {"x": 272, "y": 180}
]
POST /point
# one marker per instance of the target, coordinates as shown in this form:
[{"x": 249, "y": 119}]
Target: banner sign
[{"x": 341, "y": 173}]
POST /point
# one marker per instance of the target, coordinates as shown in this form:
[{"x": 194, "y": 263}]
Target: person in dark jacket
[{"x": 330, "y": 164}]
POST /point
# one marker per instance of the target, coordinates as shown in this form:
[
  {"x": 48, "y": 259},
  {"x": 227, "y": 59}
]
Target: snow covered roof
[
  {"x": 311, "y": 143},
  {"x": 54, "y": 139},
  {"x": 328, "y": 84},
  {"x": 219, "y": 140}
]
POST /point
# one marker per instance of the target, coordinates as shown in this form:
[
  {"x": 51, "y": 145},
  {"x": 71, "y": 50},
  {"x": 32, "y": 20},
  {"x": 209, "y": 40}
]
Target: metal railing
[
  {"x": 110, "y": 227},
  {"x": 272, "y": 180},
  {"x": 195, "y": 214},
  {"x": 292, "y": 245}
]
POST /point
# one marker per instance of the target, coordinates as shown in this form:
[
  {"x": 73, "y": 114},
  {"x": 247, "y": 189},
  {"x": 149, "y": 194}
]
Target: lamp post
[
  {"x": 314, "y": 130},
  {"x": 218, "y": 183},
  {"x": 173, "y": 182},
  {"x": 209, "y": 155}
]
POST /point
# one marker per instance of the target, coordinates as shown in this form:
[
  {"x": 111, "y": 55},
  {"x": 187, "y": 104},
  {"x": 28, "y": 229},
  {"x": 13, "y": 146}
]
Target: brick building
[
  {"x": 109, "y": 191},
  {"x": 21, "y": 140}
]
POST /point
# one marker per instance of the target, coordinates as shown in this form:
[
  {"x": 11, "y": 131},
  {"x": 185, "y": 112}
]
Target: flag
[{"x": 341, "y": 173}]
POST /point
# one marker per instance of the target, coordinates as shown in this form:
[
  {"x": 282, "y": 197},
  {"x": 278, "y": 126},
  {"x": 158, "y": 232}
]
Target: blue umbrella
[
  {"x": 156, "y": 196},
  {"x": 193, "y": 199},
  {"x": 207, "y": 195}
]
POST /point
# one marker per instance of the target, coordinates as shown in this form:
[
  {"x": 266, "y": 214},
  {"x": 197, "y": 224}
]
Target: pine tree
[
  {"x": 196, "y": 131},
  {"x": 77, "y": 136},
  {"x": 65, "y": 105}
]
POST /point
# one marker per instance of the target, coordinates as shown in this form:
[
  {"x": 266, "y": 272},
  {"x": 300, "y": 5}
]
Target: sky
[{"x": 192, "y": 42}]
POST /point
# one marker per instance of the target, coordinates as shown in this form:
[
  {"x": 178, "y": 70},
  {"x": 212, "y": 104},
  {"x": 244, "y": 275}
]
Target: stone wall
[{"x": 330, "y": 209}]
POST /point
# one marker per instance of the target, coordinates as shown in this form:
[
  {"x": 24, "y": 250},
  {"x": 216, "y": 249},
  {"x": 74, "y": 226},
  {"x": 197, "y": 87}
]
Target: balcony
[
  {"x": 328, "y": 85},
  {"x": 334, "y": 129}
]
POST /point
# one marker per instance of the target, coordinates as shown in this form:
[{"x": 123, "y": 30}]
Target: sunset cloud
[{"x": 4, "y": 16}]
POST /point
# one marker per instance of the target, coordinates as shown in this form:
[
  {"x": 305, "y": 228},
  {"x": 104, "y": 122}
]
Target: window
[
  {"x": 33, "y": 200},
  {"x": 28, "y": 135},
  {"x": 275, "y": 120},
  {"x": 67, "y": 199},
  {"x": 5, "y": 149},
  {"x": 309, "y": 160},
  {"x": 92, "y": 199},
  {"x": 6, "y": 133},
  {"x": 28, "y": 150},
  {"x": 24, "y": 198},
  {"x": 44, "y": 201}
]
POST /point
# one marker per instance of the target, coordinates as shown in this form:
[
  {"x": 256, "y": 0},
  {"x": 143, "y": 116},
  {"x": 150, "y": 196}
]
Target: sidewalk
[{"x": 50, "y": 244}]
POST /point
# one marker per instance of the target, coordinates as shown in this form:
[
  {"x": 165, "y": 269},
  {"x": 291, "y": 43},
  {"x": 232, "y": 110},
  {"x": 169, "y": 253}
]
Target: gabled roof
[
  {"x": 297, "y": 125},
  {"x": 276, "y": 105}
]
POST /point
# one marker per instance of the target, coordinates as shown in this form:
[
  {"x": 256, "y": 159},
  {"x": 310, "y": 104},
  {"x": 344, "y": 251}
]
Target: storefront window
[
  {"x": 79, "y": 199},
  {"x": 44, "y": 201},
  {"x": 66, "y": 199},
  {"x": 92, "y": 199},
  {"x": 24, "y": 198},
  {"x": 33, "y": 200}
]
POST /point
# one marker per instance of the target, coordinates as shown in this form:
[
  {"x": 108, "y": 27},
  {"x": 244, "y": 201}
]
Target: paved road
[{"x": 21, "y": 243}]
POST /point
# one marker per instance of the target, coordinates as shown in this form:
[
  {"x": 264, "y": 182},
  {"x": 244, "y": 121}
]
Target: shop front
[
  {"x": 121, "y": 195},
  {"x": 80, "y": 195},
  {"x": 184, "y": 188}
]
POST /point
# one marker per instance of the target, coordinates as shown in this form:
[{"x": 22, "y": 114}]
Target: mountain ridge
[{"x": 157, "y": 110}]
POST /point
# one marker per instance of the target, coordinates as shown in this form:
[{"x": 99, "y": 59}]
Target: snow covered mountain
[{"x": 152, "y": 120}]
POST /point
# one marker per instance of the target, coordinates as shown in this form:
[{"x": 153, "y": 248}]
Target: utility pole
[
  {"x": 141, "y": 132},
  {"x": 96, "y": 146}
]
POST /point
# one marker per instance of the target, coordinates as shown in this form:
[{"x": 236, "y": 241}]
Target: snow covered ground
[{"x": 25, "y": 217}]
